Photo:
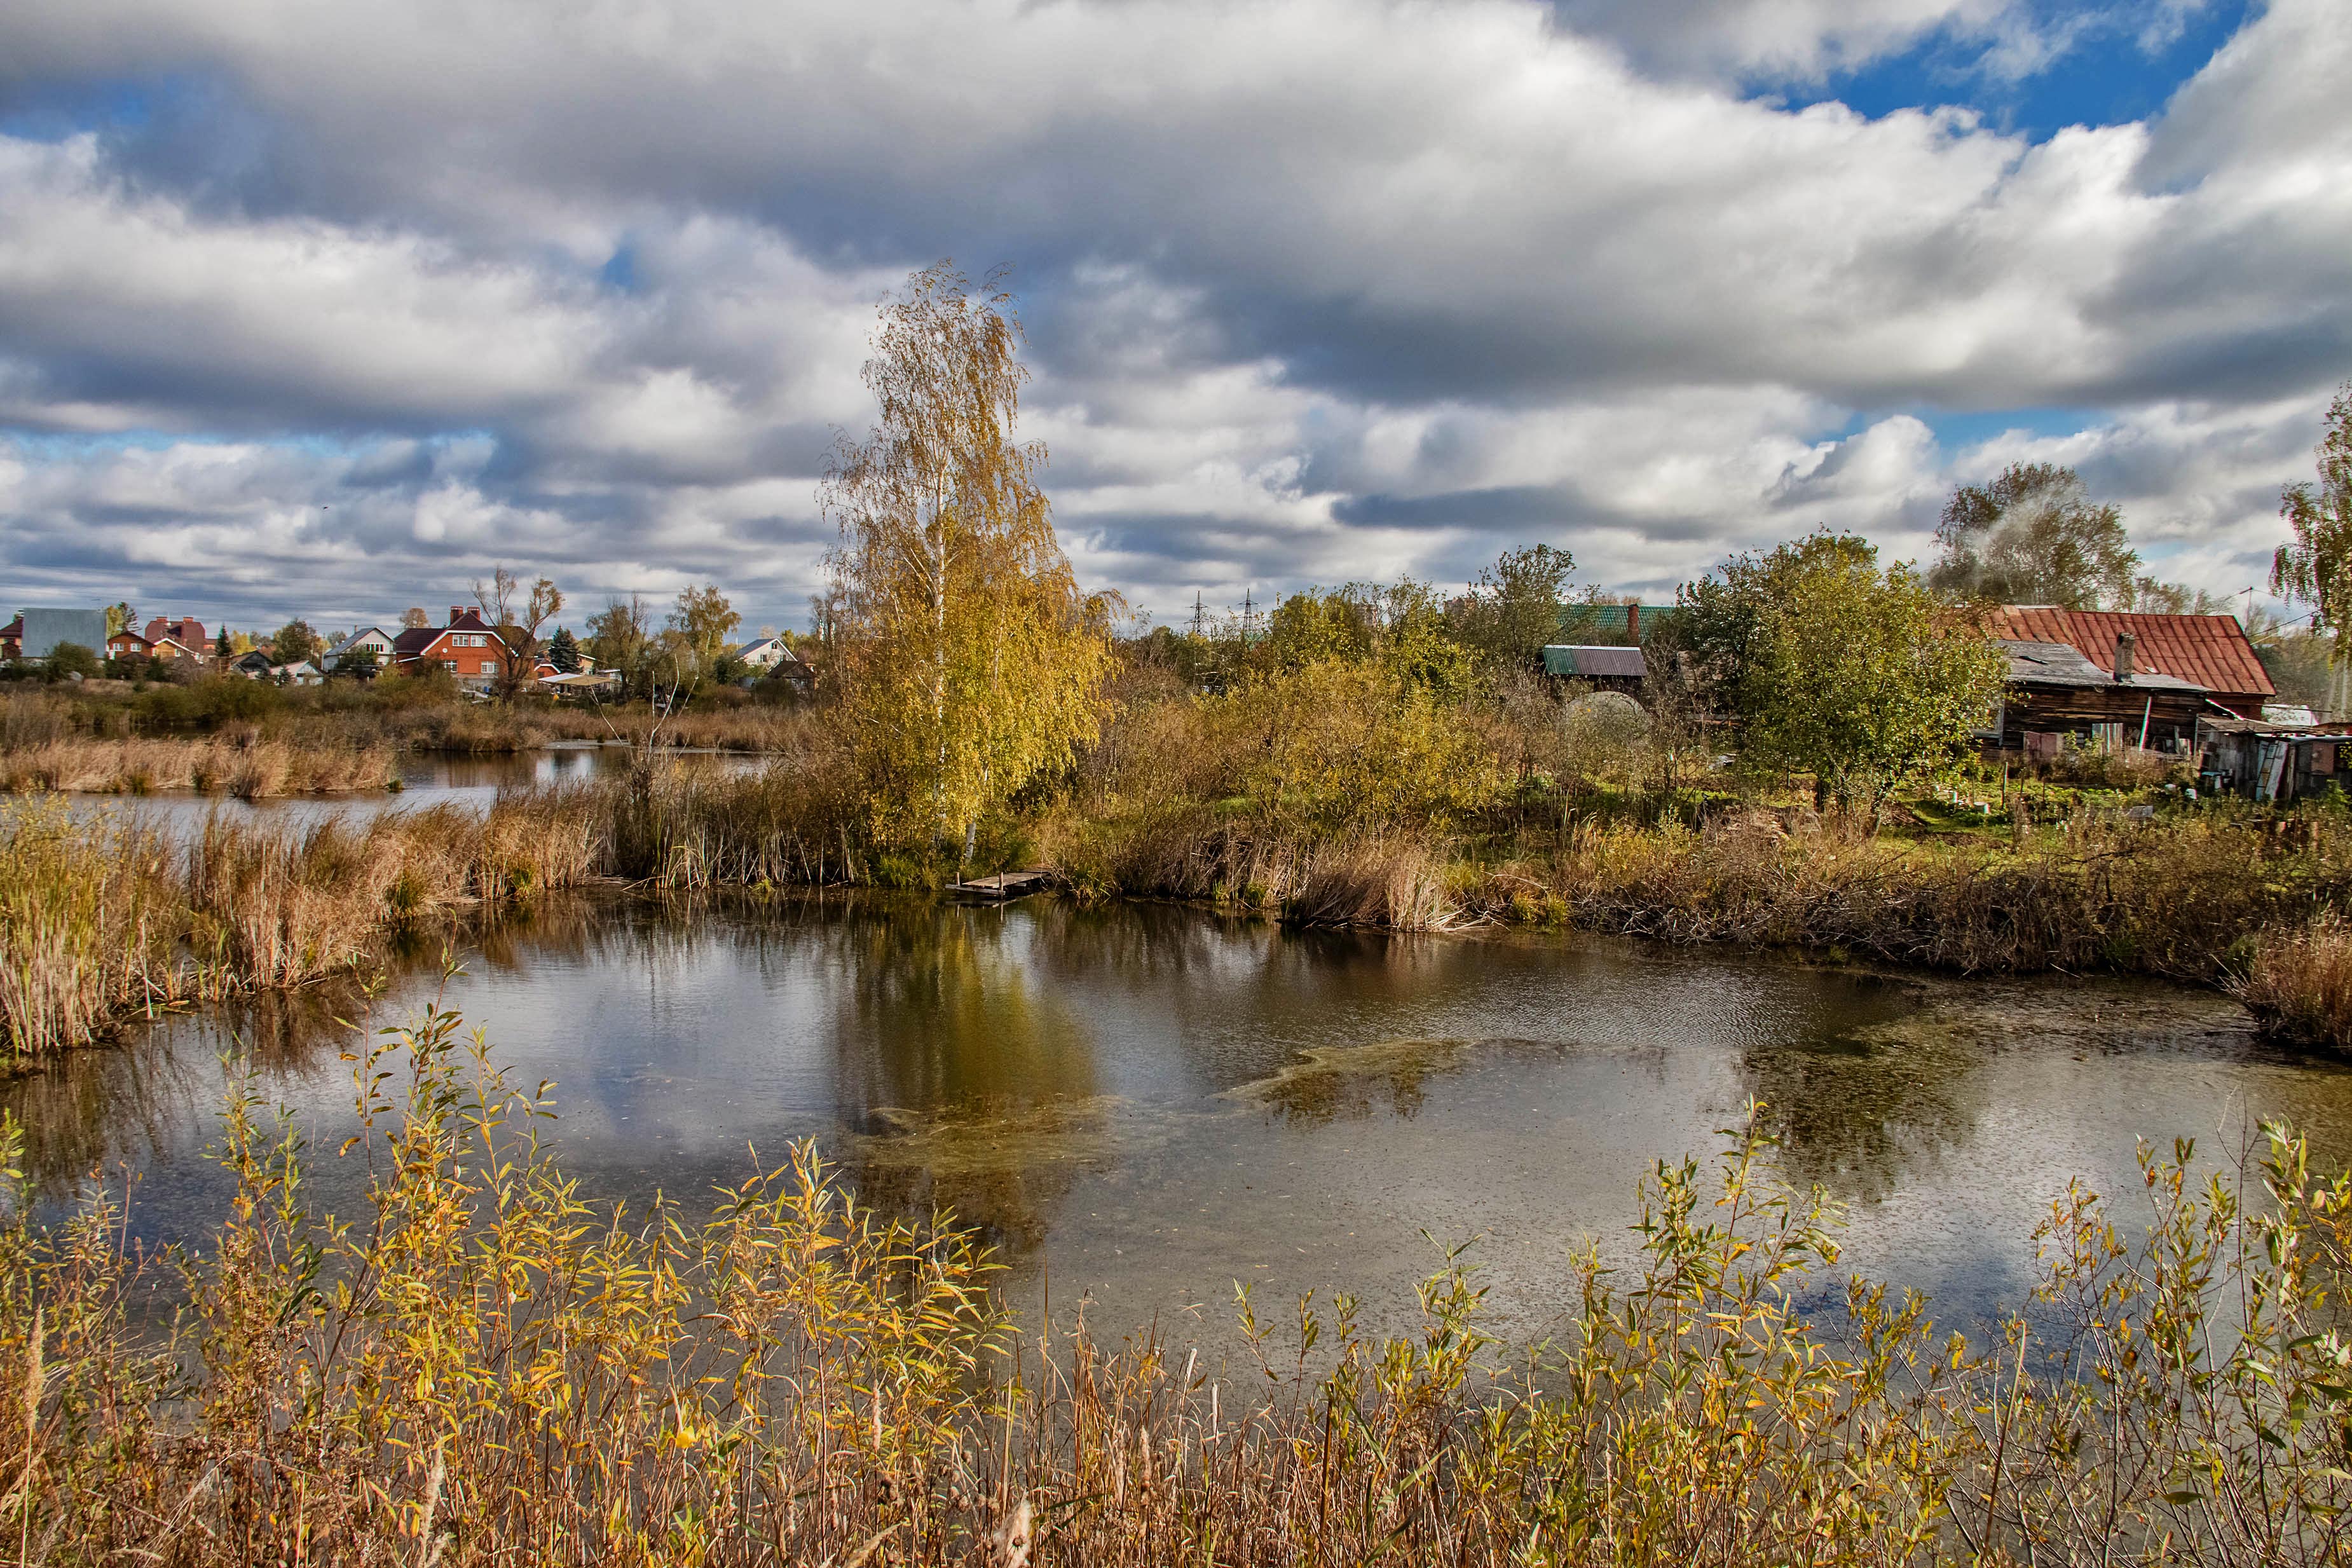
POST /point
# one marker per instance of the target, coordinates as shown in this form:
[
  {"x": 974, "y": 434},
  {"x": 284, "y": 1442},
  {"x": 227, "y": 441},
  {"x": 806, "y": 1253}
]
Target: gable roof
[
  {"x": 414, "y": 640},
  {"x": 2209, "y": 650}
]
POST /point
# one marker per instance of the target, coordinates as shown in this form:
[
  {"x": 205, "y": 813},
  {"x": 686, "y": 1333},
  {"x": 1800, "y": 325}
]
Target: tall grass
[
  {"x": 2299, "y": 982},
  {"x": 102, "y": 917},
  {"x": 244, "y": 766},
  {"x": 479, "y": 1366},
  {"x": 91, "y": 921}
]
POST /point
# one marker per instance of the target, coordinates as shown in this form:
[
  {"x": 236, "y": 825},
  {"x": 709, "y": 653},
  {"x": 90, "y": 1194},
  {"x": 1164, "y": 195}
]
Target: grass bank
[
  {"x": 103, "y": 918},
  {"x": 481, "y": 1368},
  {"x": 347, "y": 718}
]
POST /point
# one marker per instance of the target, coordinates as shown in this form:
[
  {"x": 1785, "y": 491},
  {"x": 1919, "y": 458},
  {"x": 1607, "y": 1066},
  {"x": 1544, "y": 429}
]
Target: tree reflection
[
  {"x": 936, "y": 1014},
  {"x": 1858, "y": 1111}
]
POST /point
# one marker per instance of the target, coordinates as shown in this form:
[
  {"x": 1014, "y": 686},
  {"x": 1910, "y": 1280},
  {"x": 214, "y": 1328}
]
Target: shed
[
  {"x": 2273, "y": 763},
  {"x": 1610, "y": 668}
]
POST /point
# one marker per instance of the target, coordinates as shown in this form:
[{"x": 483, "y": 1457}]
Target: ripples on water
[{"x": 1147, "y": 1103}]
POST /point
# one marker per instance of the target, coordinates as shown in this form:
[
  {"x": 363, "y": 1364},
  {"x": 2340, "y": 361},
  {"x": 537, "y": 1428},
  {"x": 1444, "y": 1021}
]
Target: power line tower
[
  {"x": 1200, "y": 616},
  {"x": 1249, "y": 616}
]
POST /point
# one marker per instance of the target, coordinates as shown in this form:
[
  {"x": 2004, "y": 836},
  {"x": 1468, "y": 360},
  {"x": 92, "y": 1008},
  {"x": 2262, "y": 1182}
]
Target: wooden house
[{"x": 2128, "y": 679}]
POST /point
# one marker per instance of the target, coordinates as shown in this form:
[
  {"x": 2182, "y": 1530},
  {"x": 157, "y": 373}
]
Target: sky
[{"x": 319, "y": 308}]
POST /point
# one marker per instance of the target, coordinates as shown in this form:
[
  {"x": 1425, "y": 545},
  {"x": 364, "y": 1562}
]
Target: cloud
[{"x": 1315, "y": 290}]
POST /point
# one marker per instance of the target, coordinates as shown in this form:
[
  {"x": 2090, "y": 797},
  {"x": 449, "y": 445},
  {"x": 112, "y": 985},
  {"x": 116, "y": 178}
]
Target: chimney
[
  {"x": 455, "y": 611},
  {"x": 1633, "y": 622},
  {"x": 2125, "y": 642}
]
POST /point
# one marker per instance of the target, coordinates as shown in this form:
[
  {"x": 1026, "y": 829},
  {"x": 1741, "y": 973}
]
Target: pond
[
  {"x": 426, "y": 778},
  {"x": 1145, "y": 1104}
]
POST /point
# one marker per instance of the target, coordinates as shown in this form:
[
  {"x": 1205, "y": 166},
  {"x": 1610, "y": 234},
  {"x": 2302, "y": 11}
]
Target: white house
[
  {"x": 374, "y": 637},
  {"x": 764, "y": 653}
]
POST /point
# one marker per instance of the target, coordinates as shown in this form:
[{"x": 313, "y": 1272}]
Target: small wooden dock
[{"x": 1002, "y": 888}]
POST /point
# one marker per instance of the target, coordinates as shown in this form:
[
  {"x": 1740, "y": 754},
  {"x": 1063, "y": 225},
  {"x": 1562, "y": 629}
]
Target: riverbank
[
  {"x": 101, "y": 921},
  {"x": 486, "y": 1366},
  {"x": 2208, "y": 896}
]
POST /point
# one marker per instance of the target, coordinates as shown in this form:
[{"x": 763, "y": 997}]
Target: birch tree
[
  {"x": 2317, "y": 567},
  {"x": 968, "y": 661}
]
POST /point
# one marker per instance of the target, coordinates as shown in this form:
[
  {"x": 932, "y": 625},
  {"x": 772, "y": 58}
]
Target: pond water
[
  {"x": 1145, "y": 1104},
  {"x": 426, "y": 778}
]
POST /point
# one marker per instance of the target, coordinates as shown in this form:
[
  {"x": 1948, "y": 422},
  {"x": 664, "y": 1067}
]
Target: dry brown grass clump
[
  {"x": 2299, "y": 983},
  {"x": 100, "y": 917},
  {"x": 91, "y": 917},
  {"x": 484, "y": 1368},
  {"x": 244, "y": 766},
  {"x": 2169, "y": 897}
]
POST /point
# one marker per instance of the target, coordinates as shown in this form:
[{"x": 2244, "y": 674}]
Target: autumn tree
[
  {"x": 703, "y": 620},
  {"x": 1861, "y": 676},
  {"x": 619, "y": 638},
  {"x": 968, "y": 661},
  {"x": 1513, "y": 607},
  {"x": 294, "y": 642},
  {"x": 518, "y": 617},
  {"x": 2317, "y": 568}
]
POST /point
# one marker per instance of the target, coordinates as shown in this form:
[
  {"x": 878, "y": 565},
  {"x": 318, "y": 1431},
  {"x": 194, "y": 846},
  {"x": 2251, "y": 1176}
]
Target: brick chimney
[
  {"x": 2125, "y": 643},
  {"x": 1633, "y": 622},
  {"x": 455, "y": 611}
]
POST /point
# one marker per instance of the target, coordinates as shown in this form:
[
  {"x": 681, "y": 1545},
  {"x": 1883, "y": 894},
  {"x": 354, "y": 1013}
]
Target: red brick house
[
  {"x": 12, "y": 639},
  {"x": 469, "y": 647},
  {"x": 126, "y": 642}
]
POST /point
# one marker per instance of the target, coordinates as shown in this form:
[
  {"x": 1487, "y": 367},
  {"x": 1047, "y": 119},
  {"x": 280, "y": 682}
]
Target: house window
[{"x": 450, "y": 665}]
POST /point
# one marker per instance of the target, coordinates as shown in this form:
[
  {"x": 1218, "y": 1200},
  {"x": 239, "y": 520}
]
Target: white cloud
[{"x": 1317, "y": 288}]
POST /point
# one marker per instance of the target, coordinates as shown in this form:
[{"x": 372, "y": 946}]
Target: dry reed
[
  {"x": 2299, "y": 983},
  {"x": 243, "y": 765},
  {"x": 101, "y": 918}
]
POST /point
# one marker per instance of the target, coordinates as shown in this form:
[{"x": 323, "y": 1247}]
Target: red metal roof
[{"x": 2211, "y": 649}]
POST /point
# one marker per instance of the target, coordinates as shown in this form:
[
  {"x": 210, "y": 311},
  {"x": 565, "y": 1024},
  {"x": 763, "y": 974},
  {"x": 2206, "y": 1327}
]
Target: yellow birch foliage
[{"x": 970, "y": 661}]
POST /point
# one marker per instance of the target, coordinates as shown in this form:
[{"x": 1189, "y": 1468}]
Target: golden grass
[
  {"x": 91, "y": 921},
  {"x": 102, "y": 917},
  {"x": 480, "y": 1367},
  {"x": 243, "y": 765},
  {"x": 2299, "y": 983}
]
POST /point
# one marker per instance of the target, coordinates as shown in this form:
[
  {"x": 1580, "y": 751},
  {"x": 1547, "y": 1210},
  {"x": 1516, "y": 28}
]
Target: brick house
[
  {"x": 469, "y": 647},
  {"x": 187, "y": 632},
  {"x": 127, "y": 644}
]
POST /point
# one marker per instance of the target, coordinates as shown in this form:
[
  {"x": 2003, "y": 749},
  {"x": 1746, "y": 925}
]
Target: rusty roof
[{"x": 2211, "y": 649}]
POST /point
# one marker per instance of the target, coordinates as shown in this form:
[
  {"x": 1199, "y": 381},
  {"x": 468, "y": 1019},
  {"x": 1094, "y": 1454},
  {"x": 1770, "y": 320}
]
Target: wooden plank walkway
[{"x": 1002, "y": 888}]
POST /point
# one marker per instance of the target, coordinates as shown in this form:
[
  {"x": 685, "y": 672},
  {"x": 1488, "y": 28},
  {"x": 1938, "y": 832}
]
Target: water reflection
[{"x": 1150, "y": 1103}]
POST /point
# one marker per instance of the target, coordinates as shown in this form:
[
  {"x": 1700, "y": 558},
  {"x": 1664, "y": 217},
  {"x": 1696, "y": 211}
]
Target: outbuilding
[
  {"x": 1606, "y": 668},
  {"x": 2272, "y": 764}
]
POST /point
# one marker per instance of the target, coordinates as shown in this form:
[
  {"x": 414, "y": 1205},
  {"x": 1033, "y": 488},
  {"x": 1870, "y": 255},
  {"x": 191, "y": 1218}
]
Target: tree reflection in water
[{"x": 958, "y": 1081}]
